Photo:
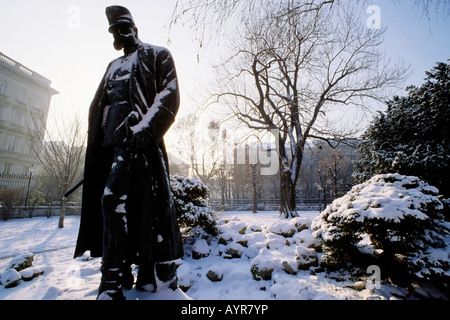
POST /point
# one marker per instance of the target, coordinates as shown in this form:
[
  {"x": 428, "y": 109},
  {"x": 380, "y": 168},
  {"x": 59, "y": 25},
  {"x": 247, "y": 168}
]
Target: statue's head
[{"x": 122, "y": 27}]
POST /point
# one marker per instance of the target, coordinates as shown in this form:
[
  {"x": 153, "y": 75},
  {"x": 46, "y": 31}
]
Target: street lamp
[{"x": 31, "y": 170}]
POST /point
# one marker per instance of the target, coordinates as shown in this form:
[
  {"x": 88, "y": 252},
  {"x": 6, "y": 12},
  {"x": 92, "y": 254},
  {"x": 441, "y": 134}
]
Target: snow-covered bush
[
  {"x": 191, "y": 201},
  {"x": 393, "y": 221}
]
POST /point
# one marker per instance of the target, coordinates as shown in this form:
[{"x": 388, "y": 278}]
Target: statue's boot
[
  {"x": 128, "y": 278},
  {"x": 111, "y": 284},
  {"x": 114, "y": 275},
  {"x": 146, "y": 278},
  {"x": 161, "y": 276},
  {"x": 166, "y": 275}
]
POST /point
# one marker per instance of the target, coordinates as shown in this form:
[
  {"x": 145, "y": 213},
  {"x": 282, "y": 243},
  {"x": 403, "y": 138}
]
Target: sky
[{"x": 67, "y": 41}]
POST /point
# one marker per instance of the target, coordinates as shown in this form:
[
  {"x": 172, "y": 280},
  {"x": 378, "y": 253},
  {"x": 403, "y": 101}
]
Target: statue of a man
[{"x": 128, "y": 215}]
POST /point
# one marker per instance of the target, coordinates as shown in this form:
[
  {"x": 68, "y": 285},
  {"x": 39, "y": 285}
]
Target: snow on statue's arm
[{"x": 161, "y": 114}]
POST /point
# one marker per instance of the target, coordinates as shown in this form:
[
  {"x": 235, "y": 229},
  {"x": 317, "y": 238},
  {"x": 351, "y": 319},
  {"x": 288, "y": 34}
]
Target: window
[
  {"x": 3, "y": 88},
  {"x": 37, "y": 104},
  {"x": 11, "y": 143},
  {"x": 2, "y": 142},
  {"x": 2, "y": 112},
  {"x": 17, "y": 117},
  {"x": 21, "y": 96}
]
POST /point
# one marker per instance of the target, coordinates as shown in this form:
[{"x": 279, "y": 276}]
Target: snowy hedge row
[{"x": 391, "y": 220}]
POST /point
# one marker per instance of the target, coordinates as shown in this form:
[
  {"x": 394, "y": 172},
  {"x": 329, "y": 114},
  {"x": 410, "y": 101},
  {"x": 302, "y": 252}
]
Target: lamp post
[{"x": 31, "y": 170}]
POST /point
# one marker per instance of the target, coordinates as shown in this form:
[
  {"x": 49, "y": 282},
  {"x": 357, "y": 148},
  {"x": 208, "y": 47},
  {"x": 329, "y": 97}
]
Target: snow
[
  {"x": 65, "y": 278},
  {"x": 201, "y": 246},
  {"x": 121, "y": 208},
  {"x": 9, "y": 276}
]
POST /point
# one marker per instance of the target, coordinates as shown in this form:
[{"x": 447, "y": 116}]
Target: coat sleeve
[{"x": 161, "y": 114}]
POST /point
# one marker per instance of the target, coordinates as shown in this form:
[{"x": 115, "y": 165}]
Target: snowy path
[{"x": 36, "y": 235}]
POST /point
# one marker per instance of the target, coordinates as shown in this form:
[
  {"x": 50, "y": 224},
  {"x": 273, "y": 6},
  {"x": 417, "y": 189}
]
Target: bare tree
[
  {"x": 210, "y": 20},
  {"x": 61, "y": 154},
  {"x": 292, "y": 67},
  {"x": 335, "y": 163},
  {"x": 205, "y": 150},
  {"x": 440, "y": 7}
]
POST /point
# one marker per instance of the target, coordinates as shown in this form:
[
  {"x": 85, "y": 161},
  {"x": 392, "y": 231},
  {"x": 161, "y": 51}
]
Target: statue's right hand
[{"x": 130, "y": 121}]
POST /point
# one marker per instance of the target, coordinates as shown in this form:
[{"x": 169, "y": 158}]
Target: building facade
[{"x": 24, "y": 105}]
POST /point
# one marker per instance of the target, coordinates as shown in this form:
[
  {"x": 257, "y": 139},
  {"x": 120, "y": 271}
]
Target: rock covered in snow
[
  {"x": 200, "y": 249},
  {"x": 225, "y": 239},
  {"x": 306, "y": 258},
  {"x": 283, "y": 228},
  {"x": 234, "y": 250},
  {"x": 20, "y": 268},
  {"x": 289, "y": 267},
  {"x": 22, "y": 261},
  {"x": 263, "y": 265},
  {"x": 255, "y": 228},
  {"x": 30, "y": 273},
  {"x": 300, "y": 223},
  {"x": 275, "y": 241},
  {"x": 287, "y": 228},
  {"x": 184, "y": 273},
  {"x": 260, "y": 272},
  {"x": 10, "y": 278},
  {"x": 358, "y": 285},
  {"x": 215, "y": 274}
]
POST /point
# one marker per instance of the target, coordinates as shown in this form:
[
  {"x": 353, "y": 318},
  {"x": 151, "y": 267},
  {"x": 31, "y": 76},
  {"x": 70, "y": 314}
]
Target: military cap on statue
[{"x": 118, "y": 15}]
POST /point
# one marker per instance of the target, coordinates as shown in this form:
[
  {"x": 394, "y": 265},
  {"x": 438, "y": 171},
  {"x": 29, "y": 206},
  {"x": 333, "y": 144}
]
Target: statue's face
[{"x": 124, "y": 35}]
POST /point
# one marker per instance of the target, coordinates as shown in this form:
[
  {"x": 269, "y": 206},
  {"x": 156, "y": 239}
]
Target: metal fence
[
  {"x": 302, "y": 204},
  {"x": 27, "y": 195},
  {"x": 16, "y": 189}
]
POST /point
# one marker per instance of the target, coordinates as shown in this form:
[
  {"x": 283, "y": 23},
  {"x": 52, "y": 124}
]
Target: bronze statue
[{"x": 128, "y": 215}]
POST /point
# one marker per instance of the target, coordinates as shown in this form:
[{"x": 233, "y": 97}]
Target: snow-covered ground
[{"x": 253, "y": 236}]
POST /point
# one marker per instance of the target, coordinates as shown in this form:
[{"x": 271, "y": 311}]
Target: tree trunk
[
  {"x": 324, "y": 198},
  {"x": 62, "y": 213},
  {"x": 287, "y": 196},
  {"x": 255, "y": 189}
]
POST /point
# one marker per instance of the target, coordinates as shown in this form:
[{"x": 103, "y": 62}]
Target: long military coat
[{"x": 154, "y": 100}]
